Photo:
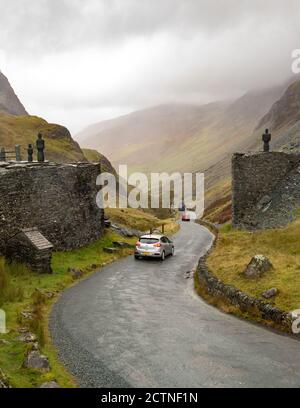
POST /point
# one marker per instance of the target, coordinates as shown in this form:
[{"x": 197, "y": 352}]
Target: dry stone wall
[{"x": 236, "y": 297}]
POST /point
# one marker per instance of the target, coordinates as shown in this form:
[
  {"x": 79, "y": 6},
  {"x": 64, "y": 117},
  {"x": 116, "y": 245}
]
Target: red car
[{"x": 186, "y": 217}]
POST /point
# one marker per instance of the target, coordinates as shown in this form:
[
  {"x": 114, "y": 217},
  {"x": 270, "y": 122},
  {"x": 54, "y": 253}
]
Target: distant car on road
[
  {"x": 186, "y": 217},
  {"x": 154, "y": 246}
]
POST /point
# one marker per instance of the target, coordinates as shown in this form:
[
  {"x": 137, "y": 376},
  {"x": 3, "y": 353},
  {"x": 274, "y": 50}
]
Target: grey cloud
[
  {"x": 67, "y": 55},
  {"x": 41, "y": 26}
]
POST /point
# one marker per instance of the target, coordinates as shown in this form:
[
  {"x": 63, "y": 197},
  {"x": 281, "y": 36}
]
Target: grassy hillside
[
  {"x": 23, "y": 130},
  {"x": 218, "y": 202},
  {"x": 141, "y": 220},
  {"x": 92, "y": 155},
  {"x": 282, "y": 246},
  {"x": 95, "y": 157}
]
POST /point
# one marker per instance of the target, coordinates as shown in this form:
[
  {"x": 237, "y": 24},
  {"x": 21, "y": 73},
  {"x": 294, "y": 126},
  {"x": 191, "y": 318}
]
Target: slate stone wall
[
  {"x": 265, "y": 189},
  {"x": 58, "y": 199},
  {"x": 233, "y": 296}
]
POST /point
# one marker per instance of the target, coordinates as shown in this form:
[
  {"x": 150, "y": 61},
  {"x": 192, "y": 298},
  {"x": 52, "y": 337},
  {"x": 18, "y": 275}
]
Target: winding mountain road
[{"x": 139, "y": 324}]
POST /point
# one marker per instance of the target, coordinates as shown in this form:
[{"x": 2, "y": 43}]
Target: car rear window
[{"x": 148, "y": 240}]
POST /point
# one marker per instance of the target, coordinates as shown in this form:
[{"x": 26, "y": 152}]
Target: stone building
[
  {"x": 29, "y": 246},
  {"x": 265, "y": 189},
  {"x": 57, "y": 199}
]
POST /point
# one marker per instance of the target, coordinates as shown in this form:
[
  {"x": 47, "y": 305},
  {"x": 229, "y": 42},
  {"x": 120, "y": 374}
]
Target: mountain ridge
[
  {"x": 9, "y": 101},
  {"x": 205, "y": 139},
  {"x": 180, "y": 137}
]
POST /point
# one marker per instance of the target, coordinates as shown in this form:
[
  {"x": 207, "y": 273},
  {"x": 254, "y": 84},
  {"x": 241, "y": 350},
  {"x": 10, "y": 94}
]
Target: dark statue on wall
[
  {"x": 40, "y": 145},
  {"x": 2, "y": 154},
  {"x": 30, "y": 153},
  {"x": 266, "y": 137}
]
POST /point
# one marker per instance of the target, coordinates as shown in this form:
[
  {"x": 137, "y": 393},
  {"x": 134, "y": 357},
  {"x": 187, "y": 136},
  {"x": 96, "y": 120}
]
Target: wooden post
[
  {"x": 2, "y": 154},
  {"x": 18, "y": 152},
  {"x": 163, "y": 228}
]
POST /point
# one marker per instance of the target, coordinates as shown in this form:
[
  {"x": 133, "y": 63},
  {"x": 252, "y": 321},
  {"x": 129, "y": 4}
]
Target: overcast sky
[{"x": 77, "y": 62}]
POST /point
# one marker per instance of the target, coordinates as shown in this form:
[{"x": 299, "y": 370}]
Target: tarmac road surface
[{"x": 139, "y": 324}]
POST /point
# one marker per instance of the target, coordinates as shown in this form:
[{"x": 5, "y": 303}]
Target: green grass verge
[
  {"x": 235, "y": 249},
  {"x": 21, "y": 289}
]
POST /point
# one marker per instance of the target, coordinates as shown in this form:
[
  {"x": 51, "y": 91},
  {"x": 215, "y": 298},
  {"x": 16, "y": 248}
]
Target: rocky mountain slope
[
  {"x": 181, "y": 137},
  {"x": 283, "y": 119},
  {"x": 17, "y": 127},
  {"x": 9, "y": 102}
]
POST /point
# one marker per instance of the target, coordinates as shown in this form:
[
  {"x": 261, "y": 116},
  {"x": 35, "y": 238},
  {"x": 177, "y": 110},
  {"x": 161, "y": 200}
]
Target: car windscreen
[{"x": 148, "y": 240}]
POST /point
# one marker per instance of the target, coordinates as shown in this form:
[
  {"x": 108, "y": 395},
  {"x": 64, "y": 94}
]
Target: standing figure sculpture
[
  {"x": 30, "y": 153},
  {"x": 266, "y": 137},
  {"x": 2, "y": 154},
  {"x": 40, "y": 145}
]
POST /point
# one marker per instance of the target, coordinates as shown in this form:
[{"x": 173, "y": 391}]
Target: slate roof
[{"x": 37, "y": 239}]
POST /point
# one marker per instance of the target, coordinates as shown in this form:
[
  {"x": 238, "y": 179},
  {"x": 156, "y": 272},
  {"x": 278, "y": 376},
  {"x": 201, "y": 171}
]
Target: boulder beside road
[
  {"x": 37, "y": 361},
  {"x": 258, "y": 265}
]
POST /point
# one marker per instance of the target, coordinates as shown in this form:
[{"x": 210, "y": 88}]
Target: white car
[{"x": 154, "y": 246}]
